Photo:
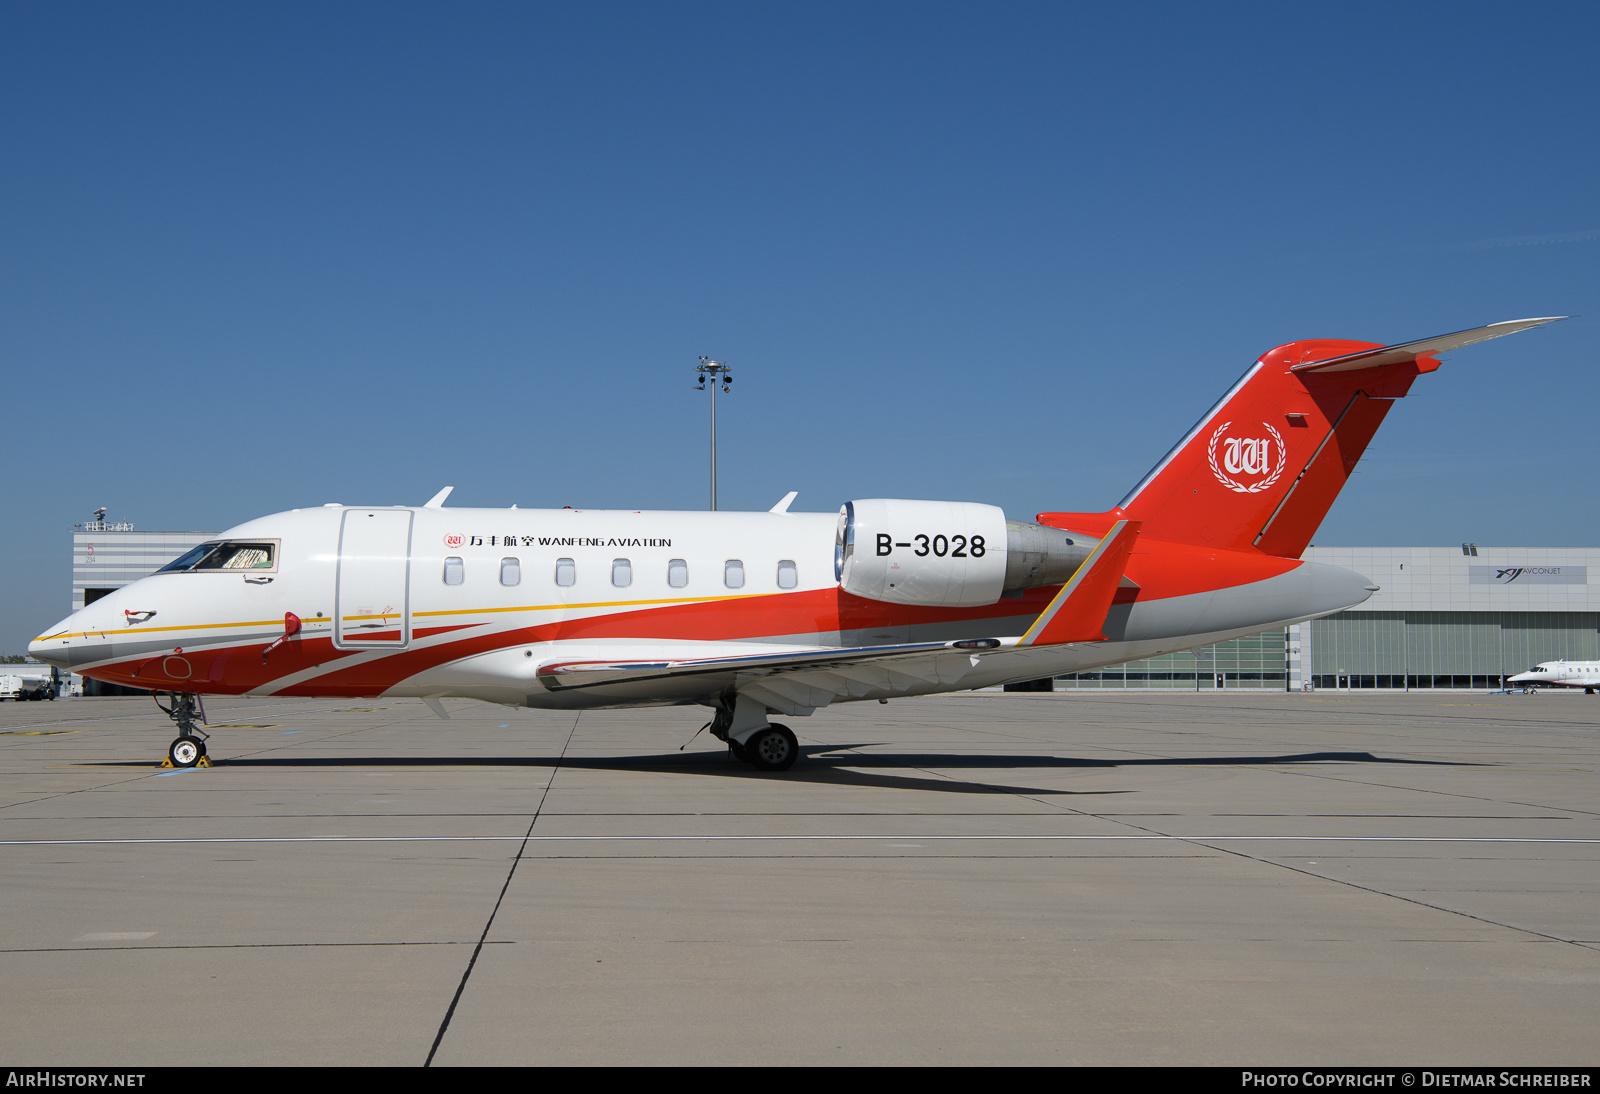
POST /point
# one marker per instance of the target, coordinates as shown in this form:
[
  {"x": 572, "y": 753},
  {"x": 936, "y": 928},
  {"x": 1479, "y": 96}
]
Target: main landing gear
[
  {"x": 189, "y": 750},
  {"x": 772, "y": 748},
  {"x": 767, "y": 746}
]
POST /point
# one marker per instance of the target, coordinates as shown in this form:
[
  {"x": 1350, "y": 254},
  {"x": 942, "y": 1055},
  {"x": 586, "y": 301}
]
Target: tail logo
[{"x": 1258, "y": 458}]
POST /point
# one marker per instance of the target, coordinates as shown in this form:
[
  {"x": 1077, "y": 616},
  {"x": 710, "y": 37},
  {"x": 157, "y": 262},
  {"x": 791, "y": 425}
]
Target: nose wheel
[{"x": 186, "y": 752}]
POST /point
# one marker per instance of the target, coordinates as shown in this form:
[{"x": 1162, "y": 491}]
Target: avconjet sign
[{"x": 1528, "y": 575}]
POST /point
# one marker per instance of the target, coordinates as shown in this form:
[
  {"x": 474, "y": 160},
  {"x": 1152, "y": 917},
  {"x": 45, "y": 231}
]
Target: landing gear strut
[
  {"x": 190, "y": 747},
  {"x": 720, "y": 722}
]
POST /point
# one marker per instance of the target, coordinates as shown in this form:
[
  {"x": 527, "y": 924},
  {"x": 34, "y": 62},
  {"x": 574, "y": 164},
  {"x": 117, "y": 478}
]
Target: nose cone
[{"x": 53, "y": 651}]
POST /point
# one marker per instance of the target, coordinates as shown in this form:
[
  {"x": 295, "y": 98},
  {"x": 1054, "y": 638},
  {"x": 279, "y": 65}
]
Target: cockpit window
[{"x": 235, "y": 556}]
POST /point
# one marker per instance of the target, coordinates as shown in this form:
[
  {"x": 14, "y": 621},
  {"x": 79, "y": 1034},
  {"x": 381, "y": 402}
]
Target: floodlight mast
[{"x": 720, "y": 374}]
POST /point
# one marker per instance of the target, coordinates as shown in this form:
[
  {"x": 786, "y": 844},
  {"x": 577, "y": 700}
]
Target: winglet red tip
[{"x": 1078, "y": 611}]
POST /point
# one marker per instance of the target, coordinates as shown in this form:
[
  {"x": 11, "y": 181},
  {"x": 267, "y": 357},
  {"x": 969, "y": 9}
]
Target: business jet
[
  {"x": 777, "y": 613},
  {"x": 1561, "y": 674}
]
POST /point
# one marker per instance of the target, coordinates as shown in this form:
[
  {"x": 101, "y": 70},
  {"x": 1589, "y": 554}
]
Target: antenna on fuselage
[{"x": 437, "y": 501}]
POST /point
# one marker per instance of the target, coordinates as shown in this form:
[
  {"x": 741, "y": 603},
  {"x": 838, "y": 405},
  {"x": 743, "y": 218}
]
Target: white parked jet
[
  {"x": 755, "y": 614},
  {"x": 1560, "y": 674}
]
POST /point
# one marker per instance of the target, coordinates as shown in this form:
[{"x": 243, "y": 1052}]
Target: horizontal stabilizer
[
  {"x": 1410, "y": 351},
  {"x": 1078, "y": 612}
]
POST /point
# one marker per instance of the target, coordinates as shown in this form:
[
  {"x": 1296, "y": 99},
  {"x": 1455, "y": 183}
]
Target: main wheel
[
  {"x": 772, "y": 748},
  {"x": 186, "y": 751}
]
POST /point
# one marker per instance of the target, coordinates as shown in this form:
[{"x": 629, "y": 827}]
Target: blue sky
[{"x": 257, "y": 257}]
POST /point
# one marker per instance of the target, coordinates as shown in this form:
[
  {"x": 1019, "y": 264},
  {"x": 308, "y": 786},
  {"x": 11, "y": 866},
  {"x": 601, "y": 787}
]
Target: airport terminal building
[{"x": 1444, "y": 617}]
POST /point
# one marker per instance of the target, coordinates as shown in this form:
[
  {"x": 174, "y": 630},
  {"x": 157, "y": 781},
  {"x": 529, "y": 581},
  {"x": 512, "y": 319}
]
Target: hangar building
[{"x": 1444, "y": 617}]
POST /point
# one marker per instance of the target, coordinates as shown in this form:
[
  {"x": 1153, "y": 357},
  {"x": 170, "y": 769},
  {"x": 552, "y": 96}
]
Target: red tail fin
[{"x": 1261, "y": 470}]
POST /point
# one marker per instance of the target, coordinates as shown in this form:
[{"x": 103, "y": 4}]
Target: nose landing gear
[{"x": 189, "y": 750}]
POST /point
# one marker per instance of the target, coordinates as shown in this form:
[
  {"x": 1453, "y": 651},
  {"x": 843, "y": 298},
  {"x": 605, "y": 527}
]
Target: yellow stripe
[
  {"x": 153, "y": 630},
  {"x": 414, "y": 615},
  {"x": 596, "y": 604}
]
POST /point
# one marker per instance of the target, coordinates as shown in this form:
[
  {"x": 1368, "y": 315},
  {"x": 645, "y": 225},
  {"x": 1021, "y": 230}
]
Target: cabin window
[
  {"x": 788, "y": 576},
  {"x": 454, "y": 572},
  {"x": 733, "y": 573},
  {"x": 566, "y": 572},
  {"x": 621, "y": 573},
  {"x": 510, "y": 571},
  {"x": 677, "y": 573}
]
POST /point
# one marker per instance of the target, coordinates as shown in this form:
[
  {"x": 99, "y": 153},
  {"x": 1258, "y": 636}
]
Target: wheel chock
[
  {"x": 203, "y": 761},
  {"x": 166, "y": 761}
]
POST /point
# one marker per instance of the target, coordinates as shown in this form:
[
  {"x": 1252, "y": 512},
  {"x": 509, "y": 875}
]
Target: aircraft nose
[{"x": 52, "y": 651}]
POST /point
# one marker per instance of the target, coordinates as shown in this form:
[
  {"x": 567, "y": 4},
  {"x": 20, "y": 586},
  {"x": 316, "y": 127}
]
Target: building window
[
  {"x": 788, "y": 576},
  {"x": 454, "y": 572},
  {"x": 566, "y": 572},
  {"x": 733, "y": 573},
  {"x": 677, "y": 573},
  {"x": 621, "y": 573},
  {"x": 510, "y": 571}
]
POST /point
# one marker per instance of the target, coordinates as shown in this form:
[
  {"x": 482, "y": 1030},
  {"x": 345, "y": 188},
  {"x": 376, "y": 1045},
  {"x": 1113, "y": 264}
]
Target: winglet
[
  {"x": 437, "y": 501},
  {"x": 783, "y": 506},
  {"x": 1078, "y": 611},
  {"x": 436, "y": 706}
]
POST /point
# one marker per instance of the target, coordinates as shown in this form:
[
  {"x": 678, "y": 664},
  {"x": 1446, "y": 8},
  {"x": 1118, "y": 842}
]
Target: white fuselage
[
  {"x": 514, "y": 606},
  {"x": 1560, "y": 674}
]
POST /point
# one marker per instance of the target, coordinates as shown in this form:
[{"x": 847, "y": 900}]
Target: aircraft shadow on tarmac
[{"x": 835, "y": 764}]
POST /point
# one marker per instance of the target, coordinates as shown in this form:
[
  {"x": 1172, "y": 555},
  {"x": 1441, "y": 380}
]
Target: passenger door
[{"x": 372, "y": 609}]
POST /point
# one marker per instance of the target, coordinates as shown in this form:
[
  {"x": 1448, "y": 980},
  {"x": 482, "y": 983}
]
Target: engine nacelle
[{"x": 948, "y": 554}]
